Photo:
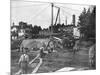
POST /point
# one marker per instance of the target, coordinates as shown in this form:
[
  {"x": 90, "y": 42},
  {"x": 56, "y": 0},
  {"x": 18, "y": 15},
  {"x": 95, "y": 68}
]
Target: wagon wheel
[
  {"x": 65, "y": 43},
  {"x": 51, "y": 46}
]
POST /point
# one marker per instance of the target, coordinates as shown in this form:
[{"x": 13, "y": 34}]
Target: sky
[{"x": 39, "y": 13}]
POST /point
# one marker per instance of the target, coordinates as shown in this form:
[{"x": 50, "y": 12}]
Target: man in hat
[
  {"x": 42, "y": 52},
  {"x": 23, "y": 61}
]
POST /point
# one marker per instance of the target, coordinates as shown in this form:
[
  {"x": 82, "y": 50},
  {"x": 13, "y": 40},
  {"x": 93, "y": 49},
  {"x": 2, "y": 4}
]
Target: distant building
[
  {"x": 14, "y": 31},
  {"x": 76, "y": 32},
  {"x": 70, "y": 30},
  {"x": 20, "y": 30}
]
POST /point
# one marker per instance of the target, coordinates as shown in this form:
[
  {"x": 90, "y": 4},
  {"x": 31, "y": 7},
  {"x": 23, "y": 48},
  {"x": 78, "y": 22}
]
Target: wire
[
  {"x": 65, "y": 11},
  {"x": 40, "y": 12},
  {"x": 70, "y": 8},
  {"x": 28, "y": 5},
  {"x": 73, "y": 4},
  {"x": 30, "y": 1},
  {"x": 55, "y": 3},
  {"x": 51, "y": 2}
]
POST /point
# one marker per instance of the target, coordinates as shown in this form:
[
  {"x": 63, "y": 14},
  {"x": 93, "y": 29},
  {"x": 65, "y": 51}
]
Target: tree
[
  {"x": 36, "y": 29},
  {"x": 22, "y": 24},
  {"x": 87, "y": 22},
  {"x": 93, "y": 22}
]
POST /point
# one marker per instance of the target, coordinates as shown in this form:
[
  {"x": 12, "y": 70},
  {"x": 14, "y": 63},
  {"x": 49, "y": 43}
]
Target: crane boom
[{"x": 57, "y": 15}]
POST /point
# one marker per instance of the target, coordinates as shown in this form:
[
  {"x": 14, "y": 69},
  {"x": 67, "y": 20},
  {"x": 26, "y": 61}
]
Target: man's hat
[
  {"x": 26, "y": 49},
  {"x": 41, "y": 48}
]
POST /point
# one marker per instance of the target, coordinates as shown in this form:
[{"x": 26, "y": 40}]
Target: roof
[{"x": 15, "y": 26}]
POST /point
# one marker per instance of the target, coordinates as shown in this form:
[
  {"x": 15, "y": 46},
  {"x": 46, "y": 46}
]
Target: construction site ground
[{"x": 54, "y": 61}]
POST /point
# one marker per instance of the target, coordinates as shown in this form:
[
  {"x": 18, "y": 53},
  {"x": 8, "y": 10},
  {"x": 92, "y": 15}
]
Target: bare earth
[{"x": 54, "y": 61}]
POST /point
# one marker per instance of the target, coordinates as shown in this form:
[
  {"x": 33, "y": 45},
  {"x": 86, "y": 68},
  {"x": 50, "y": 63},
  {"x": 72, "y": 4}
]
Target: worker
[
  {"x": 23, "y": 61},
  {"x": 42, "y": 53}
]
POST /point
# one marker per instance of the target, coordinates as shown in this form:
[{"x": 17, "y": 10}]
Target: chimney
[
  {"x": 73, "y": 21},
  {"x": 66, "y": 20},
  {"x": 13, "y": 24}
]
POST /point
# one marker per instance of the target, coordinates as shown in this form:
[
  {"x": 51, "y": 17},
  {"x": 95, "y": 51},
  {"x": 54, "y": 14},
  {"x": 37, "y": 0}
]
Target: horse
[
  {"x": 30, "y": 44},
  {"x": 92, "y": 56},
  {"x": 76, "y": 46}
]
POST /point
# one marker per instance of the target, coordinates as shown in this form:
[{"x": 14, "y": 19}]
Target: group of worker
[{"x": 24, "y": 59}]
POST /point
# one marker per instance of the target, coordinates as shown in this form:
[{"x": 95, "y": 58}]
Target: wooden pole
[
  {"x": 57, "y": 16},
  {"x": 52, "y": 5},
  {"x": 34, "y": 59},
  {"x": 37, "y": 67}
]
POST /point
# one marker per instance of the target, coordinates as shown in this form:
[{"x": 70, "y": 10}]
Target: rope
[
  {"x": 37, "y": 67},
  {"x": 39, "y": 64},
  {"x": 29, "y": 5},
  {"x": 66, "y": 12},
  {"x": 50, "y": 2},
  {"x": 69, "y": 8},
  {"x": 34, "y": 59},
  {"x": 39, "y": 13}
]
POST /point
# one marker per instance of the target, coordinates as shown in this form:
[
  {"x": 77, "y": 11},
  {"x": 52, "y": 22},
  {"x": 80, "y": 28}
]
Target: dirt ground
[{"x": 54, "y": 61}]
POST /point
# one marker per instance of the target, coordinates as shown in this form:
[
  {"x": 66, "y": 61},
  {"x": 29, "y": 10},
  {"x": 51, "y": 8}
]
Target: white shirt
[{"x": 24, "y": 57}]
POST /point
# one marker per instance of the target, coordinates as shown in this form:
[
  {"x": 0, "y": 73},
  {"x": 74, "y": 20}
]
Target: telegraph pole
[
  {"x": 52, "y": 5},
  {"x": 58, "y": 15},
  {"x": 59, "y": 18}
]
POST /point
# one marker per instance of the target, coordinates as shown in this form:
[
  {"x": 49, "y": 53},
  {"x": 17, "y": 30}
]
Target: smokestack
[
  {"x": 73, "y": 19},
  {"x": 66, "y": 20},
  {"x": 13, "y": 23}
]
